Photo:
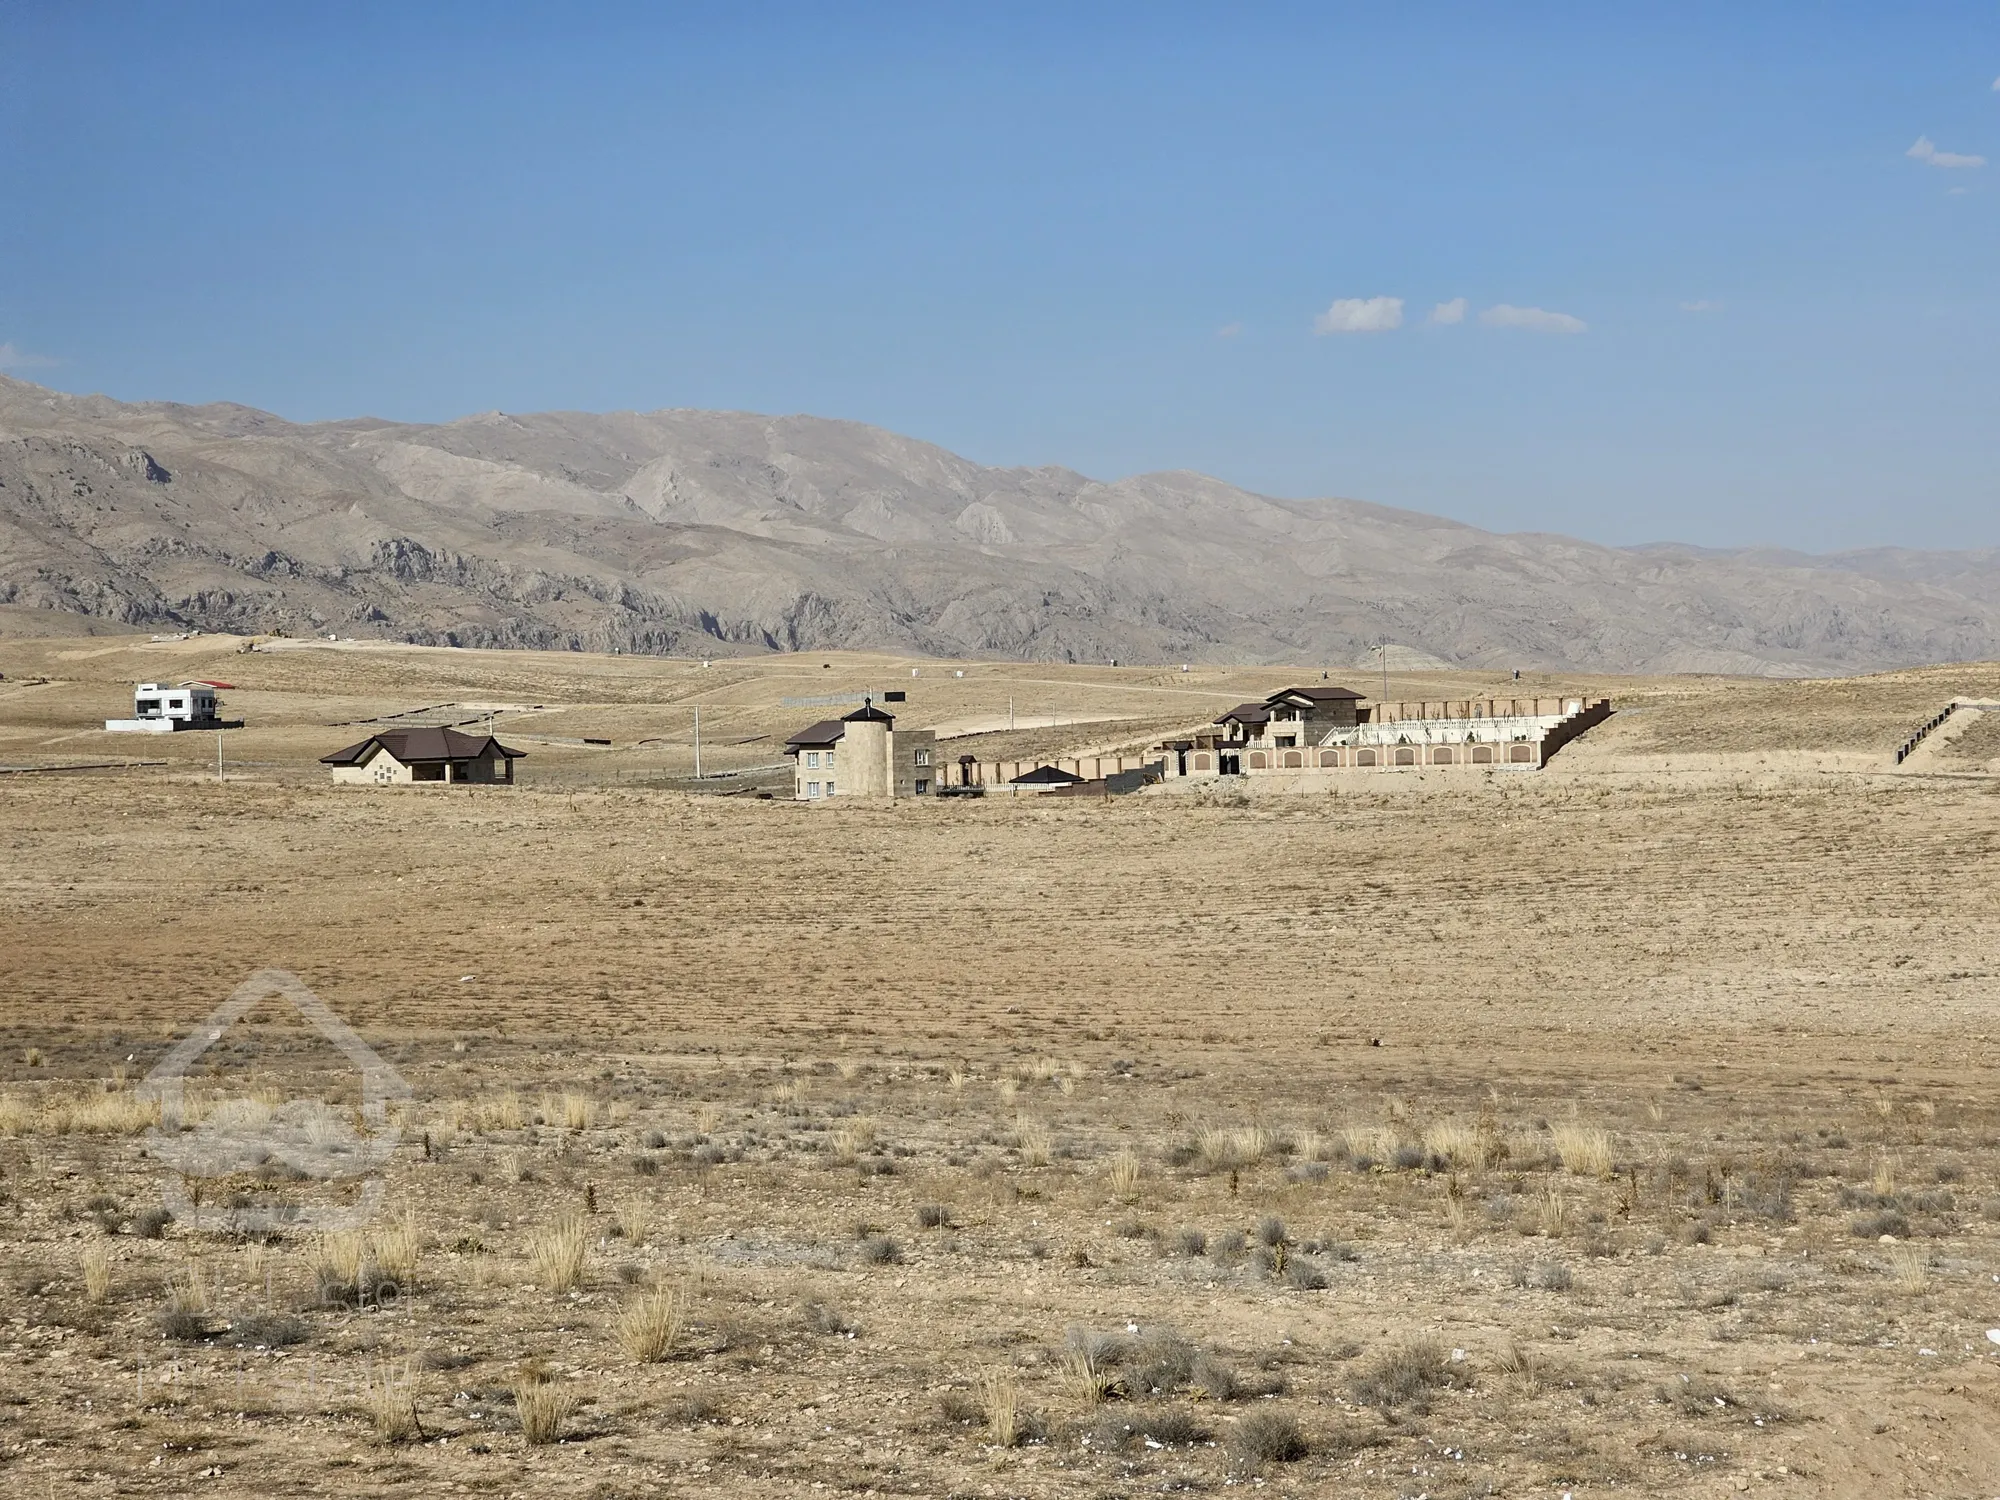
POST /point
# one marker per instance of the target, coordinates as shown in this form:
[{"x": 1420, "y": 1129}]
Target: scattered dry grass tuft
[
  {"x": 389, "y": 1393},
  {"x": 1584, "y": 1149},
  {"x": 544, "y": 1407},
  {"x": 1125, "y": 1176},
  {"x": 1000, "y": 1399},
  {"x": 557, "y": 1251},
  {"x": 652, "y": 1322},
  {"x": 94, "y": 1259}
]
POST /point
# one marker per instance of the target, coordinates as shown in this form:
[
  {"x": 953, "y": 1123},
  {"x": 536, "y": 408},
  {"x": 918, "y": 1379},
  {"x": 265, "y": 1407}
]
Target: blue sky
[{"x": 1114, "y": 237}]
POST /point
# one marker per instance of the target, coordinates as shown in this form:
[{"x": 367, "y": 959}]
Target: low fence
[{"x": 1909, "y": 745}]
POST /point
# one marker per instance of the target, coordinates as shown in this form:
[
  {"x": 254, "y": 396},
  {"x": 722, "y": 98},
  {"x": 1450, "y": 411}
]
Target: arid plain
[{"x": 1626, "y": 1127}]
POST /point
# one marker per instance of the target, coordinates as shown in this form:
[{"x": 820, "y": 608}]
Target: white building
[{"x": 160, "y": 709}]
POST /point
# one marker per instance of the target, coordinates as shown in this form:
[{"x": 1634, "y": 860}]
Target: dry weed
[
  {"x": 634, "y": 1215},
  {"x": 1909, "y": 1268},
  {"x": 1125, "y": 1176},
  {"x": 390, "y": 1396},
  {"x": 544, "y": 1407},
  {"x": 1552, "y": 1210},
  {"x": 94, "y": 1259},
  {"x": 1001, "y": 1400},
  {"x": 652, "y": 1322},
  {"x": 1459, "y": 1143},
  {"x": 1036, "y": 1144},
  {"x": 557, "y": 1251},
  {"x": 1584, "y": 1149}
]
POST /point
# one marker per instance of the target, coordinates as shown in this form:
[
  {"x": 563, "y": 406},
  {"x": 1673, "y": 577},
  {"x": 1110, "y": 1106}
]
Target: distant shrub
[
  {"x": 1404, "y": 1376},
  {"x": 880, "y": 1250},
  {"x": 1191, "y": 1242},
  {"x": 1265, "y": 1436}
]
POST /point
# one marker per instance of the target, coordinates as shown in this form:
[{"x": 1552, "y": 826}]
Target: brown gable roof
[
  {"x": 1246, "y": 713},
  {"x": 420, "y": 747},
  {"x": 1315, "y": 694},
  {"x": 825, "y": 732}
]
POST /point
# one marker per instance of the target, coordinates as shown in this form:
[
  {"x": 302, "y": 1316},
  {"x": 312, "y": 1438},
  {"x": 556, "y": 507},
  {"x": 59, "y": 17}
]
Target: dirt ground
[{"x": 1621, "y": 1127}]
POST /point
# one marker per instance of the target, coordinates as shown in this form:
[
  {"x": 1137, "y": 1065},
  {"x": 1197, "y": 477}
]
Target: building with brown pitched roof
[{"x": 398, "y": 757}]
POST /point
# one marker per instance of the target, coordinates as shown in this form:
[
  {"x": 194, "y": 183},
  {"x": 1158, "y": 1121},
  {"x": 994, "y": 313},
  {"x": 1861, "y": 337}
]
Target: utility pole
[
  {"x": 218, "y": 755},
  {"x": 1010, "y": 711},
  {"x": 1383, "y": 647},
  {"x": 697, "y": 744}
]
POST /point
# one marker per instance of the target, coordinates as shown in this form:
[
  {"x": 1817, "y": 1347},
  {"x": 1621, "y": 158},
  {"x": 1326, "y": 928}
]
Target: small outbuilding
[
  {"x": 1044, "y": 777},
  {"x": 400, "y": 756}
]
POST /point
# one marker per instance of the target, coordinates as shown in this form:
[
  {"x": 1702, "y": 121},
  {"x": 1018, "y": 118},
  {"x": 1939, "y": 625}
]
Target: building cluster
[{"x": 1299, "y": 732}]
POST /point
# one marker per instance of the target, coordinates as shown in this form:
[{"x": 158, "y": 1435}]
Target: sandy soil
[{"x": 1515, "y": 1133}]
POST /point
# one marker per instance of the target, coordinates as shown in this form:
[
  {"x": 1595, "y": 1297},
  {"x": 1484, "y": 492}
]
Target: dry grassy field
[{"x": 1623, "y": 1127}]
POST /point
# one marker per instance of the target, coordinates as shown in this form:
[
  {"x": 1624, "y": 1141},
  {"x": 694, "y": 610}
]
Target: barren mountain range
[{"x": 716, "y": 532}]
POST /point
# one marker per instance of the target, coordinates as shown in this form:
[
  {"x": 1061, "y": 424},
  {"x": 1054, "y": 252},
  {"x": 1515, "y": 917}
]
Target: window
[
  {"x": 1286, "y": 741},
  {"x": 812, "y": 758},
  {"x": 829, "y": 789},
  {"x": 922, "y": 787},
  {"x": 812, "y": 789},
  {"x": 923, "y": 757},
  {"x": 828, "y": 762}
]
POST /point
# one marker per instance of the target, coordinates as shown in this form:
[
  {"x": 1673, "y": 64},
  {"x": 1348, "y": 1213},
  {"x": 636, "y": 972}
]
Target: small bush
[
  {"x": 151, "y": 1223},
  {"x": 1231, "y": 1245},
  {"x": 1271, "y": 1231},
  {"x": 181, "y": 1323},
  {"x": 695, "y": 1410},
  {"x": 823, "y": 1317},
  {"x": 1404, "y": 1376},
  {"x": 1544, "y": 1276},
  {"x": 264, "y": 1330},
  {"x": 1305, "y": 1275},
  {"x": 1191, "y": 1242},
  {"x": 880, "y": 1250},
  {"x": 1874, "y": 1225},
  {"x": 1213, "y": 1379},
  {"x": 1265, "y": 1436},
  {"x": 934, "y": 1216},
  {"x": 646, "y": 1166},
  {"x": 1169, "y": 1426}
]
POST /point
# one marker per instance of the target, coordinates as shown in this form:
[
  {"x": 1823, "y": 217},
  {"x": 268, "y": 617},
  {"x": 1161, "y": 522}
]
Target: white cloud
[
  {"x": 1926, "y": 150},
  {"x": 1361, "y": 315},
  {"x": 1449, "y": 312},
  {"x": 12, "y": 358},
  {"x": 1701, "y": 305},
  {"x": 1539, "y": 319},
  {"x": 1229, "y": 330}
]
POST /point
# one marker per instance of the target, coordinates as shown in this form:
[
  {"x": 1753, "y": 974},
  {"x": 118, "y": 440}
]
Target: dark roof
[
  {"x": 1046, "y": 776},
  {"x": 825, "y": 732},
  {"x": 1315, "y": 694},
  {"x": 1247, "y": 713},
  {"x": 418, "y": 747},
  {"x": 868, "y": 713}
]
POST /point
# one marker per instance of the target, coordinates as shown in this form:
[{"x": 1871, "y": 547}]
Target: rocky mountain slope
[{"x": 711, "y": 532}]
